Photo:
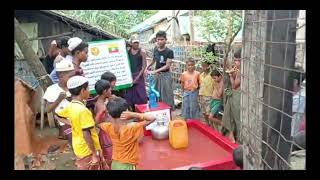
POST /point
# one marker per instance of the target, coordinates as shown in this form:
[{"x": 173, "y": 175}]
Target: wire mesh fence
[
  {"x": 272, "y": 89},
  {"x": 182, "y": 52}
]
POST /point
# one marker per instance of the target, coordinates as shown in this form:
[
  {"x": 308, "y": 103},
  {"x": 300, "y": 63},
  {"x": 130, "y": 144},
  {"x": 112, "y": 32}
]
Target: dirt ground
[{"x": 61, "y": 159}]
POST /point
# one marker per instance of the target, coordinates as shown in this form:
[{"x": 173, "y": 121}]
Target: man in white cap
[
  {"x": 86, "y": 145},
  {"x": 79, "y": 52},
  {"x": 56, "y": 96},
  {"x": 58, "y": 48}
]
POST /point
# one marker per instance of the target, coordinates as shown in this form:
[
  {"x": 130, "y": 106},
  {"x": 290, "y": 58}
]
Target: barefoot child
[
  {"x": 231, "y": 116},
  {"x": 216, "y": 102},
  {"x": 124, "y": 136},
  {"x": 85, "y": 140},
  {"x": 190, "y": 85},
  {"x": 103, "y": 89}
]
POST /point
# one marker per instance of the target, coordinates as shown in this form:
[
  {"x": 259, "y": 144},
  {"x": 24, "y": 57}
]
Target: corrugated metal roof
[{"x": 152, "y": 21}]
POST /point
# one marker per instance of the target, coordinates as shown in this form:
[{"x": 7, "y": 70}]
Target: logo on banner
[{"x": 95, "y": 51}]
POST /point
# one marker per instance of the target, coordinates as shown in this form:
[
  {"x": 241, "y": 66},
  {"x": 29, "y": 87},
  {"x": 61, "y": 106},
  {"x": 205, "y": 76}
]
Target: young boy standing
[
  {"x": 103, "y": 89},
  {"x": 190, "y": 85},
  {"x": 85, "y": 140},
  {"x": 216, "y": 102},
  {"x": 205, "y": 92},
  {"x": 124, "y": 136},
  {"x": 163, "y": 56},
  {"x": 231, "y": 116}
]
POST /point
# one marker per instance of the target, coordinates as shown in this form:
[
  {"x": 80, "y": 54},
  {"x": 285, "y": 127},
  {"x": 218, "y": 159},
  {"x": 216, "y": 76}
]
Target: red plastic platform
[{"x": 207, "y": 149}]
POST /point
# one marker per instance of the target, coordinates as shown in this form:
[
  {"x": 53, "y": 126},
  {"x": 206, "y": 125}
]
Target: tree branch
[
  {"x": 235, "y": 13},
  {"x": 235, "y": 34},
  {"x": 177, "y": 13},
  {"x": 227, "y": 50}
]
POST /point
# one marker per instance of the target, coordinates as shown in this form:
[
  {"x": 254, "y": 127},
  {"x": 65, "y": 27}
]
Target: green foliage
[
  {"x": 200, "y": 55},
  {"x": 220, "y": 26},
  {"x": 215, "y": 24},
  {"x": 114, "y": 21}
]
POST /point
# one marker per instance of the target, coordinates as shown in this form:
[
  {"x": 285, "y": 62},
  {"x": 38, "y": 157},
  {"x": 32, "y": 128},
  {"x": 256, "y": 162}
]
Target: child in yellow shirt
[
  {"x": 124, "y": 136},
  {"x": 85, "y": 140},
  {"x": 205, "y": 92}
]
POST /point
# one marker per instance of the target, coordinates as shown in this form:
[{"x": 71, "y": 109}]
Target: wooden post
[
  {"x": 42, "y": 113},
  {"x": 51, "y": 120},
  {"x": 191, "y": 26},
  {"x": 173, "y": 27},
  {"x": 251, "y": 111},
  {"x": 30, "y": 56}
]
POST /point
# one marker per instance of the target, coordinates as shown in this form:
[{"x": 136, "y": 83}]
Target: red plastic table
[{"x": 207, "y": 149}]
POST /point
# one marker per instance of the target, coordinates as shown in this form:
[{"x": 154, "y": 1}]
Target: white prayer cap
[
  {"x": 76, "y": 81},
  {"x": 58, "y": 59},
  {"x": 134, "y": 39},
  {"x": 73, "y": 43},
  {"x": 64, "y": 65}
]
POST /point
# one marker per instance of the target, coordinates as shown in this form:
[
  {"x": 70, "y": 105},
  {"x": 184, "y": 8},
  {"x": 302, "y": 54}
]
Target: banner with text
[{"x": 109, "y": 55}]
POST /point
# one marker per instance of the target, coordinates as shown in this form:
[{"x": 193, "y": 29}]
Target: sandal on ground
[{"x": 62, "y": 137}]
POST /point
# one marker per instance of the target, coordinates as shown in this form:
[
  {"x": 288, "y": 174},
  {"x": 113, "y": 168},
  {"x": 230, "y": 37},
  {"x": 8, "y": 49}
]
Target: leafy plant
[
  {"x": 200, "y": 55},
  {"x": 114, "y": 21},
  {"x": 220, "y": 26}
]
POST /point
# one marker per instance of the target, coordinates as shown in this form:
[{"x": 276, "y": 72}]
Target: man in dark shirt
[
  {"x": 137, "y": 93},
  {"x": 163, "y": 56}
]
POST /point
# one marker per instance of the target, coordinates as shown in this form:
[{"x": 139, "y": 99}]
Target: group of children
[
  {"x": 70, "y": 52},
  {"x": 106, "y": 138},
  {"x": 204, "y": 92}
]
